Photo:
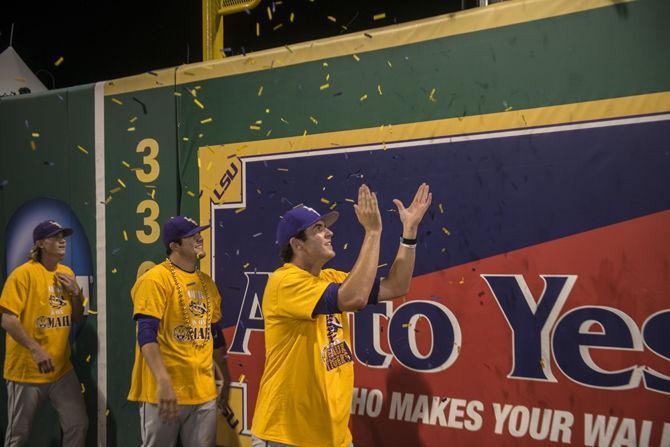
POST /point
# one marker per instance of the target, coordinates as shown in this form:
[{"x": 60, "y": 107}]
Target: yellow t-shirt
[
  {"x": 45, "y": 311},
  {"x": 190, "y": 368},
  {"x": 307, "y": 386}
]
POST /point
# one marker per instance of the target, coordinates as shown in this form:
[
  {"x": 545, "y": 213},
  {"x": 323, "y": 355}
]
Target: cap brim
[
  {"x": 66, "y": 232},
  {"x": 328, "y": 219},
  {"x": 196, "y": 230}
]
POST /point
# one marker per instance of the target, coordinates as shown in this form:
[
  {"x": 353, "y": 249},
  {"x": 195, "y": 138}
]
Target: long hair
[{"x": 35, "y": 254}]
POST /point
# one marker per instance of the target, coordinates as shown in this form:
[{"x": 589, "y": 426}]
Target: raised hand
[
  {"x": 412, "y": 215},
  {"x": 68, "y": 282},
  {"x": 367, "y": 210}
]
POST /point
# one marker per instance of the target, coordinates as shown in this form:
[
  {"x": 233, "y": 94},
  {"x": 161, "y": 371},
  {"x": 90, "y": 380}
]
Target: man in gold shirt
[
  {"x": 179, "y": 344},
  {"x": 40, "y": 301},
  {"x": 307, "y": 386}
]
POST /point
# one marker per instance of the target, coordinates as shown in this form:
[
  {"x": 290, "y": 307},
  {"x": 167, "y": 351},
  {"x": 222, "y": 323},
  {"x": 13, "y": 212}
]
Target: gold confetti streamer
[
  {"x": 190, "y": 193},
  {"x": 431, "y": 97},
  {"x": 115, "y": 190},
  {"x": 260, "y": 91},
  {"x": 363, "y": 98},
  {"x": 326, "y": 201},
  {"x": 120, "y": 182},
  {"x": 83, "y": 389},
  {"x": 379, "y": 16},
  {"x": 332, "y": 207},
  {"x": 35, "y": 134},
  {"x": 125, "y": 235},
  {"x": 176, "y": 93},
  {"x": 446, "y": 231},
  {"x": 118, "y": 101},
  {"x": 184, "y": 138},
  {"x": 356, "y": 58},
  {"x": 198, "y": 103},
  {"x": 349, "y": 200},
  {"x": 125, "y": 163},
  {"x": 269, "y": 13},
  {"x": 254, "y": 127},
  {"x": 345, "y": 246},
  {"x": 379, "y": 89},
  {"x": 282, "y": 169},
  {"x": 107, "y": 412},
  {"x": 389, "y": 64},
  {"x": 246, "y": 264},
  {"x": 330, "y": 177},
  {"x": 439, "y": 205},
  {"x": 314, "y": 120},
  {"x": 258, "y": 29},
  {"x": 324, "y": 86},
  {"x": 88, "y": 358},
  {"x": 276, "y": 27},
  {"x": 239, "y": 210},
  {"x": 131, "y": 129},
  {"x": 114, "y": 270},
  {"x": 132, "y": 120},
  {"x": 82, "y": 149},
  {"x": 291, "y": 18},
  {"x": 206, "y": 121},
  {"x": 93, "y": 312},
  {"x": 241, "y": 379},
  {"x": 382, "y": 265},
  {"x": 332, "y": 19},
  {"x": 59, "y": 61}
]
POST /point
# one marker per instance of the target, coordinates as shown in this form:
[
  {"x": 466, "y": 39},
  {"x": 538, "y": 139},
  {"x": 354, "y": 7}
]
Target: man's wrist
[{"x": 409, "y": 232}]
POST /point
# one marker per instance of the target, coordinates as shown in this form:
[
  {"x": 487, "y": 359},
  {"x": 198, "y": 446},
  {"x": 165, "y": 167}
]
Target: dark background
[{"x": 108, "y": 40}]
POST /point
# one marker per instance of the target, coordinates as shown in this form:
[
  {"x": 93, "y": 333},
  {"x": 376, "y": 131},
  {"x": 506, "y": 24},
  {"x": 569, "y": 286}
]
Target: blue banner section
[{"x": 490, "y": 196}]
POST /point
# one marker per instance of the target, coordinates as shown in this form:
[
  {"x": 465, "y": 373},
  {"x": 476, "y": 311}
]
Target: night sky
[{"x": 108, "y": 40}]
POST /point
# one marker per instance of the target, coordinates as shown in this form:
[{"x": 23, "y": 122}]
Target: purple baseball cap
[
  {"x": 179, "y": 227},
  {"x": 49, "y": 228},
  {"x": 300, "y": 218}
]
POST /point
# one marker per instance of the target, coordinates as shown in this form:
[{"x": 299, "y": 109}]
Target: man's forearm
[
  {"x": 15, "y": 329},
  {"x": 152, "y": 354},
  {"x": 400, "y": 276},
  {"x": 219, "y": 356},
  {"x": 354, "y": 292}
]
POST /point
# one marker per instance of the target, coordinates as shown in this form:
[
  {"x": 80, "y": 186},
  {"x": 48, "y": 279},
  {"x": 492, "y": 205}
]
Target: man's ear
[
  {"x": 173, "y": 246},
  {"x": 295, "y": 243}
]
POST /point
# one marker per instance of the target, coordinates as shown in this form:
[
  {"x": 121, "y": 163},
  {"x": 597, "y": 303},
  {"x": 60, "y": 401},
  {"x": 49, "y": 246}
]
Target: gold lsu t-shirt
[
  {"x": 33, "y": 294},
  {"x": 307, "y": 386},
  {"x": 191, "y": 369}
]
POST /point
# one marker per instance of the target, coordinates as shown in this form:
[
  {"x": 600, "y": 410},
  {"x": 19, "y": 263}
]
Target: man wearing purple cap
[
  {"x": 307, "y": 386},
  {"x": 39, "y": 303},
  {"x": 180, "y": 347}
]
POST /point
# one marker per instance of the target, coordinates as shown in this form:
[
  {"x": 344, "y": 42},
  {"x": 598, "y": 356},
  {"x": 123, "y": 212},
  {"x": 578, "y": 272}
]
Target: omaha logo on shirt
[
  {"x": 183, "y": 333},
  {"x": 52, "y": 322}
]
